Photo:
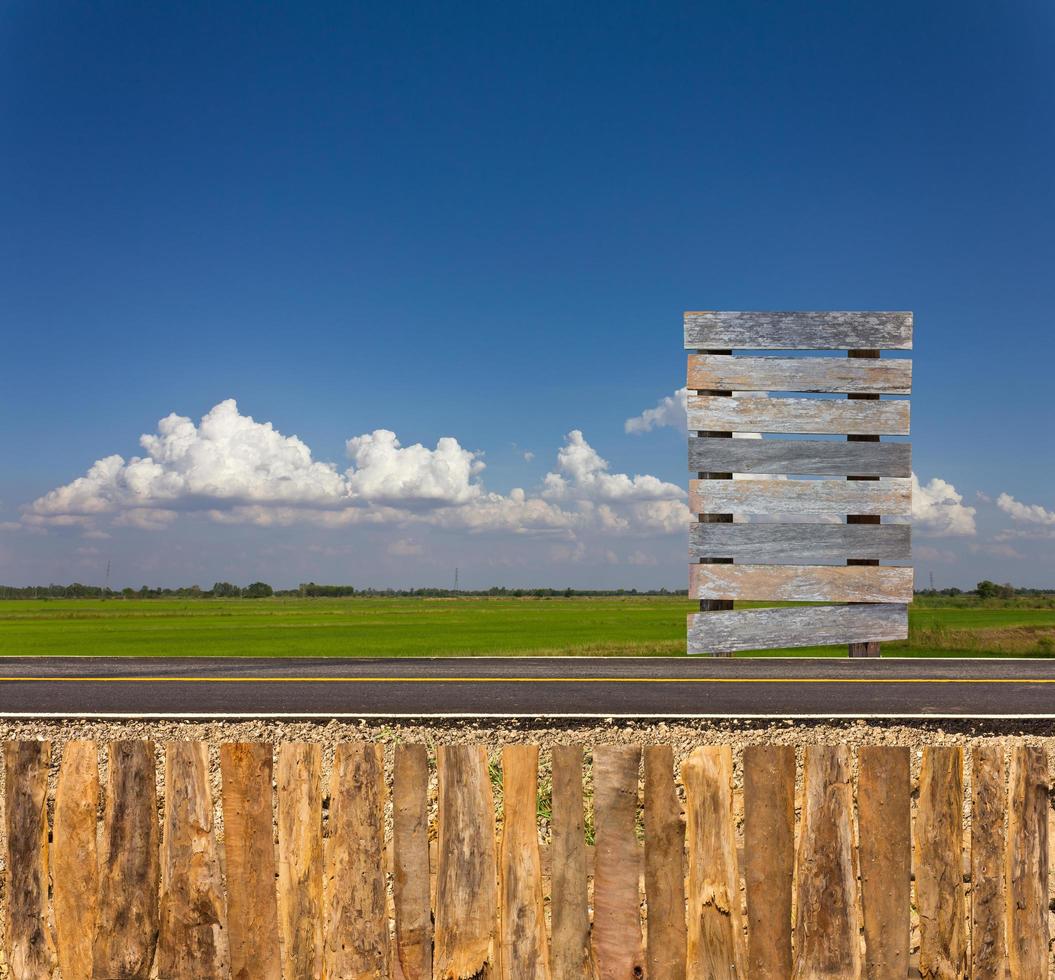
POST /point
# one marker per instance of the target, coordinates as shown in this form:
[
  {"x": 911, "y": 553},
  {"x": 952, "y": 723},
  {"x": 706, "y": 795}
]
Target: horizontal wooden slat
[
  {"x": 800, "y": 543},
  {"x": 814, "y": 497},
  {"x": 811, "y": 457},
  {"x": 801, "y": 583},
  {"x": 814, "y": 330},
  {"x": 823, "y": 416},
  {"x": 848, "y": 375},
  {"x": 795, "y": 626}
]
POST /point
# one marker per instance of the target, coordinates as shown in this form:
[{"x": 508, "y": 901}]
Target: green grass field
[{"x": 375, "y": 627}]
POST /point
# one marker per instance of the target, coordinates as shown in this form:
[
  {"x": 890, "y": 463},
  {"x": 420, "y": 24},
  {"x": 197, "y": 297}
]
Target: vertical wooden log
[
  {"x": 525, "y": 951},
  {"x": 870, "y": 648},
  {"x": 74, "y": 865},
  {"x": 129, "y": 866},
  {"x": 828, "y": 926},
  {"x": 30, "y": 949},
  {"x": 357, "y": 942},
  {"x": 571, "y": 957},
  {"x": 1027, "y": 864},
  {"x": 466, "y": 887},
  {"x": 300, "y": 861},
  {"x": 192, "y": 941},
  {"x": 617, "y": 945},
  {"x": 715, "y": 925},
  {"x": 249, "y": 846},
  {"x": 939, "y": 865},
  {"x": 769, "y": 858},
  {"x": 884, "y": 802},
  {"x": 664, "y": 867},
  {"x": 988, "y": 810},
  {"x": 410, "y": 846}
]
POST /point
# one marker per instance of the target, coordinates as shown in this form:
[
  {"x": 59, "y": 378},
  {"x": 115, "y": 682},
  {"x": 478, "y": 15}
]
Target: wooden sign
[{"x": 825, "y": 496}]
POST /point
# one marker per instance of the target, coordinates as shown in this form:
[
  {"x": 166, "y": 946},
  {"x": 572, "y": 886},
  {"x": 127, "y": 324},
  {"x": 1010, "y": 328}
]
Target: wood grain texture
[
  {"x": 249, "y": 848},
  {"x": 988, "y": 843},
  {"x": 525, "y": 950},
  {"x": 466, "y": 886},
  {"x": 939, "y": 864},
  {"x": 300, "y": 859},
  {"x": 798, "y": 330},
  {"x": 799, "y": 543},
  {"x": 769, "y": 858},
  {"x": 410, "y": 847},
  {"x": 800, "y": 457},
  {"x": 74, "y": 859},
  {"x": 801, "y": 583},
  {"x": 617, "y": 941},
  {"x": 884, "y": 801},
  {"x": 816, "y": 498},
  {"x": 819, "y": 416},
  {"x": 30, "y": 948},
  {"x": 715, "y": 944},
  {"x": 571, "y": 956},
  {"x": 192, "y": 940},
  {"x": 816, "y": 375},
  {"x": 1027, "y": 864},
  {"x": 129, "y": 865},
  {"x": 664, "y": 867},
  {"x": 827, "y": 928},
  {"x": 791, "y": 626},
  {"x": 356, "y": 932}
]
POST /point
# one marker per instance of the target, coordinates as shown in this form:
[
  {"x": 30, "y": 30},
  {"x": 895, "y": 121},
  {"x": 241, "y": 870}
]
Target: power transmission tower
[{"x": 456, "y": 578}]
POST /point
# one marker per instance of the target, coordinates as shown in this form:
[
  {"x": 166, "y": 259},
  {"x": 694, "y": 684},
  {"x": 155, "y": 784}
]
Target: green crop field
[{"x": 382, "y": 627}]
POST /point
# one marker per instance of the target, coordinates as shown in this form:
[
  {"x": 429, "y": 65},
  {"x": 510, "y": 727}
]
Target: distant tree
[
  {"x": 258, "y": 590},
  {"x": 987, "y": 589},
  {"x": 224, "y": 590}
]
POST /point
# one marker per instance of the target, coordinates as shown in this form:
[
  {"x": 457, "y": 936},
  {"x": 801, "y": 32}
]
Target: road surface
[{"x": 193, "y": 687}]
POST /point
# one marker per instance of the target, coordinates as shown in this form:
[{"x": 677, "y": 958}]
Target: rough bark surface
[
  {"x": 988, "y": 844},
  {"x": 410, "y": 845},
  {"x": 1027, "y": 864}
]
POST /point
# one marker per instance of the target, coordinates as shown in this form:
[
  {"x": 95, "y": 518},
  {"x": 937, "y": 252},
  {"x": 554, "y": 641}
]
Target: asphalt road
[{"x": 192, "y": 687}]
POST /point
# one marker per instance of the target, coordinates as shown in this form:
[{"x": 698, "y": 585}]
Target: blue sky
[{"x": 481, "y": 223}]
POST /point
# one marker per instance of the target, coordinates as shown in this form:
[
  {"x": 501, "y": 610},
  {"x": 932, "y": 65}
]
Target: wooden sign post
[{"x": 799, "y": 520}]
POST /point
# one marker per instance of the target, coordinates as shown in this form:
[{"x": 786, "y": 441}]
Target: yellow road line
[{"x": 533, "y": 680}]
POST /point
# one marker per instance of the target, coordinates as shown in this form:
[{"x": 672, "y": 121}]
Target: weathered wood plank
[
  {"x": 798, "y": 330},
  {"x": 525, "y": 951},
  {"x": 664, "y": 867},
  {"x": 884, "y": 801},
  {"x": 410, "y": 847},
  {"x": 30, "y": 948},
  {"x": 819, "y": 416},
  {"x": 249, "y": 847},
  {"x": 74, "y": 859},
  {"x": 806, "y": 457},
  {"x": 988, "y": 810},
  {"x": 827, "y": 928},
  {"x": 816, "y": 498},
  {"x": 800, "y": 543},
  {"x": 356, "y": 931},
  {"x": 939, "y": 863},
  {"x": 466, "y": 886},
  {"x": 129, "y": 865},
  {"x": 1027, "y": 864},
  {"x": 617, "y": 942},
  {"x": 300, "y": 860},
  {"x": 790, "y": 626},
  {"x": 801, "y": 583},
  {"x": 769, "y": 858},
  {"x": 817, "y": 375},
  {"x": 192, "y": 941},
  {"x": 715, "y": 946},
  {"x": 571, "y": 957}
]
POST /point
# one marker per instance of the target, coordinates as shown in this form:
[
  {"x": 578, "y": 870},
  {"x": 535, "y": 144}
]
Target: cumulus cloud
[
  {"x": 668, "y": 412},
  {"x": 939, "y": 511},
  {"x": 1026, "y": 513},
  {"x": 235, "y": 470}
]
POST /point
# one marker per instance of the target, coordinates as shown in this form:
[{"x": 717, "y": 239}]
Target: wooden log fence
[{"x": 630, "y": 866}]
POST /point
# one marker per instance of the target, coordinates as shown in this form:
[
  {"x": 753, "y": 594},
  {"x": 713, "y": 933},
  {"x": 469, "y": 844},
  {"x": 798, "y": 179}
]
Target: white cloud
[
  {"x": 670, "y": 411},
  {"x": 1027, "y": 513},
  {"x": 405, "y": 548},
  {"x": 939, "y": 511},
  {"x": 528, "y": 456}
]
